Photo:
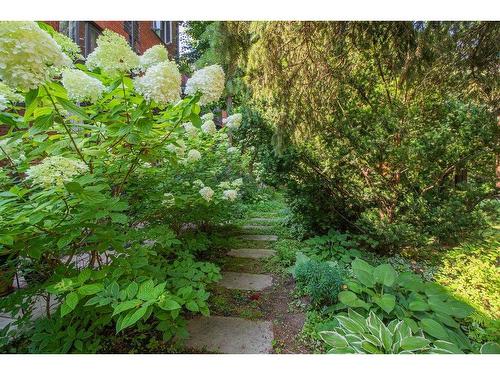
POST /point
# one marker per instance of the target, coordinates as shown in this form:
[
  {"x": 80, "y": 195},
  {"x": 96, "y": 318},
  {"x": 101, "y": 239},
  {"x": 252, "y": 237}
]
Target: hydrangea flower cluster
[
  {"x": 9, "y": 94},
  {"x": 28, "y": 55},
  {"x": 112, "y": 54},
  {"x": 3, "y": 102},
  {"x": 230, "y": 195},
  {"x": 154, "y": 55},
  {"x": 238, "y": 182},
  {"x": 207, "y": 193},
  {"x": 81, "y": 87},
  {"x": 178, "y": 150},
  {"x": 55, "y": 171},
  {"x": 70, "y": 48},
  {"x": 207, "y": 117},
  {"x": 161, "y": 83},
  {"x": 193, "y": 156},
  {"x": 233, "y": 122},
  {"x": 209, "y": 82},
  {"x": 190, "y": 129},
  {"x": 209, "y": 127}
]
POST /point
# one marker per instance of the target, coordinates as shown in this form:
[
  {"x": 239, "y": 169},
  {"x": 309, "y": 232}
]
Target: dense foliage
[{"x": 383, "y": 129}]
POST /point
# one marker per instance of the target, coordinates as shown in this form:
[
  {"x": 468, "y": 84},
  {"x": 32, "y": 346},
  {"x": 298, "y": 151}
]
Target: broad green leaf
[
  {"x": 146, "y": 290},
  {"x": 459, "y": 309},
  {"x": 350, "y": 324},
  {"x": 132, "y": 289},
  {"x": 72, "y": 108},
  {"x": 448, "y": 346},
  {"x": 192, "y": 306},
  {"x": 387, "y": 302},
  {"x": 69, "y": 304},
  {"x": 168, "y": 305},
  {"x": 131, "y": 318},
  {"x": 363, "y": 272},
  {"x": 418, "y": 306},
  {"x": 490, "y": 348},
  {"x": 385, "y": 274},
  {"x": 370, "y": 348},
  {"x": 84, "y": 275},
  {"x": 90, "y": 289},
  {"x": 414, "y": 343},
  {"x": 127, "y": 305},
  {"x": 434, "y": 329},
  {"x": 334, "y": 339},
  {"x": 350, "y": 299}
]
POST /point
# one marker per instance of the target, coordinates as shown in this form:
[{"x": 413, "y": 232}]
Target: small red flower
[{"x": 255, "y": 296}]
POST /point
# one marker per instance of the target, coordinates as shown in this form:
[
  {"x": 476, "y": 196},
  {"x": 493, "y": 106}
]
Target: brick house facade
[{"x": 140, "y": 34}]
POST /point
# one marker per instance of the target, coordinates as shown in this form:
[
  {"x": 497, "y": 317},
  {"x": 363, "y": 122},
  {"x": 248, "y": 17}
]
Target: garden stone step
[
  {"x": 259, "y": 237},
  {"x": 250, "y": 227},
  {"x": 230, "y": 335},
  {"x": 251, "y": 253},
  {"x": 264, "y": 220},
  {"x": 245, "y": 281}
]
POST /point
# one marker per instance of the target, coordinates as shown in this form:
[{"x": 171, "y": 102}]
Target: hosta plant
[
  {"x": 357, "y": 334},
  {"x": 421, "y": 305}
]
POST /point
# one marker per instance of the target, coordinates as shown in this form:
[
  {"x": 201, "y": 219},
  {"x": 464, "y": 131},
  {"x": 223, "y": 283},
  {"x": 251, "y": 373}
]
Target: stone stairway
[{"x": 234, "y": 335}]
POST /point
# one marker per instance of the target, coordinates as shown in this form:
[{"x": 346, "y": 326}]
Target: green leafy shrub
[
  {"x": 105, "y": 168},
  {"x": 322, "y": 281}
]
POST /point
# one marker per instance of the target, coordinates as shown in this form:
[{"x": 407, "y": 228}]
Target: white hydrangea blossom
[
  {"x": 70, "y": 48},
  {"x": 238, "y": 182},
  {"x": 198, "y": 183},
  {"x": 3, "y": 102},
  {"x": 112, "y": 54},
  {"x": 190, "y": 129},
  {"x": 233, "y": 122},
  {"x": 207, "y": 193},
  {"x": 193, "y": 156},
  {"x": 28, "y": 55},
  {"x": 161, "y": 83},
  {"x": 209, "y": 82},
  {"x": 207, "y": 117},
  {"x": 154, "y": 55},
  {"x": 9, "y": 94},
  {"x": 230, "y": 195},
  {"x": 209, "y": 127},
  {"x": 178, "y": 150},
  {"x": 55, "y": 171},
  {"x": 232, "y": 150},
  {"x": 81, "y": 87},
  {"x": 225, "y": 185}
]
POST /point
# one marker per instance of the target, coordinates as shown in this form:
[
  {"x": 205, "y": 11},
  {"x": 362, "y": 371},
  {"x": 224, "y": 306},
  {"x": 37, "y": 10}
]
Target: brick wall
[{"x": 147, "y": 37}]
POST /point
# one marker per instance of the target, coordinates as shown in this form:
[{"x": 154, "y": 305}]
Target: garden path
[{"x": 236, "y": 335}]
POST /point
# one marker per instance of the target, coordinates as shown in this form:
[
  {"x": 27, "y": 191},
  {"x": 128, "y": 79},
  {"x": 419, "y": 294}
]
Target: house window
[
  {"x": 132, "y": 29},
  {"x": 164, "y": 30},
  {"x": 70, "y": 29},
  {"x": 91, "y": 35}
]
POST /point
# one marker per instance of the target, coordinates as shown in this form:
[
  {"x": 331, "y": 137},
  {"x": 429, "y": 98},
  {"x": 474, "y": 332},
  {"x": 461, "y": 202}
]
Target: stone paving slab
[
  {"x": 255, "y": 227},
  {"x": 251, "y": 253},
  {"x": 259, "y": 237},
  {"x": 230, "y": 335},
  {"x": 264, "y": 220},
  {"x": 245, "y": 281}
]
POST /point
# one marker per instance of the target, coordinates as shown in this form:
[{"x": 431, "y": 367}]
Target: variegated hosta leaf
[
  {"x": 350, "y": 325},
  {"x": 334, "y": 339}
]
